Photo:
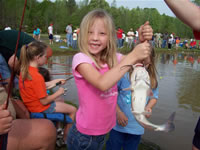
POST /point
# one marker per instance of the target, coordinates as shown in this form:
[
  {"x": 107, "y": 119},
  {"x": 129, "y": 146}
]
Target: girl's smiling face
[{"x": 97, "y": 37}]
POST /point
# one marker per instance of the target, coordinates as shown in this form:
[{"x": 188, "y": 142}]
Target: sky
[{"x": 158, "y": 4}]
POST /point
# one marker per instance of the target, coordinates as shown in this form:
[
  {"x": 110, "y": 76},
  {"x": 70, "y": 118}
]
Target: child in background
[
  {"x": 74, "y": 38},
  {"x": 96, "y": 70},
  {"x": 32, "y": 85},
  {"x": 177, "y": 42},
  {"x": 127, "y": 132},
  {"x": 170, "y": 42}
]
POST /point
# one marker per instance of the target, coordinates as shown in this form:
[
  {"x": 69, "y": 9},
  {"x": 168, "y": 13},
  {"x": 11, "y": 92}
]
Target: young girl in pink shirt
[{"x": 96, "y": 70}]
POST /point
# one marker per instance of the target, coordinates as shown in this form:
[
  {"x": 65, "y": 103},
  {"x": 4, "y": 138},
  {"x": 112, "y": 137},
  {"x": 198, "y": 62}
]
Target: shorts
[
  {"x": 196, "y": 139},
  {"x": 51, "y": 36},
  {"x": 51, "y": 109},
  {"x": 4, "y": 69}
]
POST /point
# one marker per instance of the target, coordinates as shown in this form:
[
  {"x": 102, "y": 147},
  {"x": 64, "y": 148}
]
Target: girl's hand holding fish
[
  {"x": 149, "y": 110},
  {"x": 145, "y": 32},
  {"x": 142, "y": 51}
]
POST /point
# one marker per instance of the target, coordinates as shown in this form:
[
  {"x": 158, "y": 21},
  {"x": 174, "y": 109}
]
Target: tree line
[{"x": 63, "y": 12}]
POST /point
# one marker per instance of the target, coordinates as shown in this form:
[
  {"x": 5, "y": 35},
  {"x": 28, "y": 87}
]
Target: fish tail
[{"x": 169, "y": 126}]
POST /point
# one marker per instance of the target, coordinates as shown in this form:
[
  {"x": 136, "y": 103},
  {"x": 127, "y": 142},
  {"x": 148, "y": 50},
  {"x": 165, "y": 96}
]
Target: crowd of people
[{"x": 97, "y": 70}]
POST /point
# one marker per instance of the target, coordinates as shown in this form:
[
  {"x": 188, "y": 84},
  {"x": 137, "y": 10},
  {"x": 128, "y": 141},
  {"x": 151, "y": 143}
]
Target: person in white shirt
[
  {"x": 130, "y": 36},
  {"x": 74, "y": 42},
  {"x": 50, "y": 32}
]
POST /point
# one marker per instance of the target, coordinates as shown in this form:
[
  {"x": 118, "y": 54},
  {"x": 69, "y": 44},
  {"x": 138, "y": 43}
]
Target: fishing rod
[
  {"x": 60, "y": 82},
  {"x": 59, "y": 64},
  {"x": 65, "y": 73},
  {"x": 4, "y": 137}
]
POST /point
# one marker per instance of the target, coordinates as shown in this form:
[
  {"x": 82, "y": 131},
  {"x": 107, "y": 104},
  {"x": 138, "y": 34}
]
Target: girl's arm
[
  {"x": 121, "y": 117},
  {"x": 48, "y": 99},
  {"x": 107, "y": 80},
  {"x": 186, "y": 11}
]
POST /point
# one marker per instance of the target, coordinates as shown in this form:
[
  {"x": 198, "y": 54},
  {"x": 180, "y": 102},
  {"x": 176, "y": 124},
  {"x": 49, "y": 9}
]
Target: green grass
[{"x": 59, "y": 51}]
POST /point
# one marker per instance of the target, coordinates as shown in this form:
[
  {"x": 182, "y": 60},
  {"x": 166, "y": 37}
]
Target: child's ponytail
[{"x": 24, "y": 62}]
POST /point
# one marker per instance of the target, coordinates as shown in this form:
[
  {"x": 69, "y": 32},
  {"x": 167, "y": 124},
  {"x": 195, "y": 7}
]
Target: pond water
[{"x": 179, "y": 91}]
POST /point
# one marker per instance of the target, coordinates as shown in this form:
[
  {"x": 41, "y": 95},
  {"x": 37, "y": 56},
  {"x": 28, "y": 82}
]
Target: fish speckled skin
[{"x": 140, "y": 86}]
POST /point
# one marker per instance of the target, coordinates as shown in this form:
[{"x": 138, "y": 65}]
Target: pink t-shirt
[{"x": 96, "y": 114}]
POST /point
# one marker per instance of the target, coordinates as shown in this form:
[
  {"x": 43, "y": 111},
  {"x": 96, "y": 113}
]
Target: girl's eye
[
  {"x": 90, "y": 32},
  {"x": 102, "y": 33}
]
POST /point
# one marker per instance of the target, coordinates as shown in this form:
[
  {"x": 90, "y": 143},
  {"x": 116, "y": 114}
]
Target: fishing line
[{"x": 59, "y": 64}]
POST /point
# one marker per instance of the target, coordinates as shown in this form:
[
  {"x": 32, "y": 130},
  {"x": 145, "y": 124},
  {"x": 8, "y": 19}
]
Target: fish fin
[
  {"x": 146, "y": 113},
  {"x": 136, "y": 113},
  {"x": 169, "y": 126},
  {"x": 127, "y": 89}
]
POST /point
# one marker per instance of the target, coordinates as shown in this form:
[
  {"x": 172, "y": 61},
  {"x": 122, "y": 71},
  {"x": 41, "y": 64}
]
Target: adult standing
[
  {"x": 69, "y": 34},
  {"x": 36, "y": 33},
  {"x": 191, "y": 18},
  {"x": 165, "y": 38},
  {"x": 136, "y": 37},
  {"x": 119, "y": 37},
  {"x": 50, "y": 32},
  {"x": 130, "y": 36}
]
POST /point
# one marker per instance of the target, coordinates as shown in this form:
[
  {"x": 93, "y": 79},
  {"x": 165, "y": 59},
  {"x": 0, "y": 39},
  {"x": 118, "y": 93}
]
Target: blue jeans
[
  {"x": 164, "y": 43},
  {"x": 117, "y": 140},
  {"x": 4, "y": 69},
  {"x": 74, "y": 44},
  {"x": 69, "y": 39},
  {"x": 79, "y": 141},
  {"x": 119, "y": 43}
]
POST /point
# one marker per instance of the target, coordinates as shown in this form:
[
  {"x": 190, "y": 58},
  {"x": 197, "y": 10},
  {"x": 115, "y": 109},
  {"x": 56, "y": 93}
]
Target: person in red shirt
[
  {"x": 119, "y": 37},
  {"x": 33, "y": 87}
]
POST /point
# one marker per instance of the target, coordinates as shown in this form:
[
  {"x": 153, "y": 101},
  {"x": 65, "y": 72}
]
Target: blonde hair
[
  {"x": 108, "y": 55},
  {"x": 152, "y": 70},
  {"x": 27, "y": 54}
]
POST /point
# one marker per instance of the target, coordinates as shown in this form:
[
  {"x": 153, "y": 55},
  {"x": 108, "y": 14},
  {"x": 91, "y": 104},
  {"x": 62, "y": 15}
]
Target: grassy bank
[{"x": 60, "y": 51}]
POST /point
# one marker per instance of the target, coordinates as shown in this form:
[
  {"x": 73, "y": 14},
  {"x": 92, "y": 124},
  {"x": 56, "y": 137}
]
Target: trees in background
[{"x": 63, "y": 12}]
